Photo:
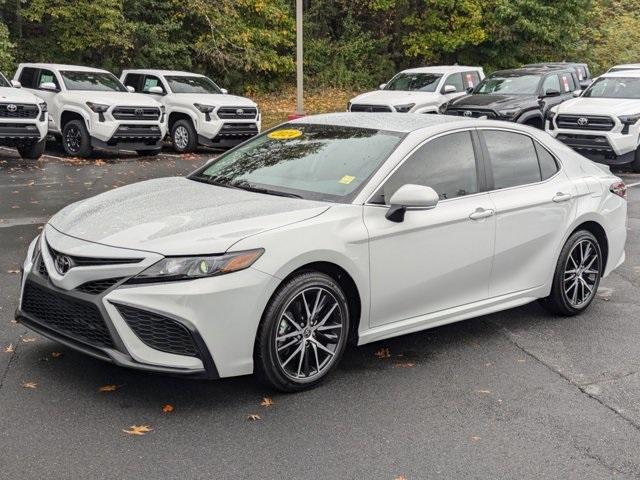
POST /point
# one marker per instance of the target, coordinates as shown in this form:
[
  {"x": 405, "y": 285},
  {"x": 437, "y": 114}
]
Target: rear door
[{"x": 534, "y": 203}]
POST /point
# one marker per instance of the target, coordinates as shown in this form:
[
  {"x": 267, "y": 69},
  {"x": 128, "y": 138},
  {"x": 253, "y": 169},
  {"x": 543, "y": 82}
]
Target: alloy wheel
[
  {"x": 73, "y": 139},
  {"x": 181, "y": 137},
  {"x": 309, "y": 334},
  {"x": 581, "y": 273}
]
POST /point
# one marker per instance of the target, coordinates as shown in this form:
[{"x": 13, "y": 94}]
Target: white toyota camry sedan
[{"x": 326, "y": 230}]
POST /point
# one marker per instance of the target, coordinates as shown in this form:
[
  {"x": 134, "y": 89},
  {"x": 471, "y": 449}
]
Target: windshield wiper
[{"x": 244, "y": 185}]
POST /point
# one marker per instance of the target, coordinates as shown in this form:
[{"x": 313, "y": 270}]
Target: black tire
[
  {"x": 271, "y": 367},
  {"x": 34, "y": 151},
  {"x": 76, "y": 141},
  {"x": 149, "y": 153},
  {"x": 187, "y": 140},
  {"x": 558, "y": 302},
  {"x": 635, "y": 165}
]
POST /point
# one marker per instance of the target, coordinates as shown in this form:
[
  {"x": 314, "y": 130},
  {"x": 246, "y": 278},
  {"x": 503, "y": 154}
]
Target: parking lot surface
[{"x": 518, "y": 394}]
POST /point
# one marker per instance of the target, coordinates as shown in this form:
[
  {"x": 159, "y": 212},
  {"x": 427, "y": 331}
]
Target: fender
[
  {"x": 529, "y": 115},
  {"x": 427, "y": 109},
  {"x": 62, "y": 107},
  {"x": 184, "y": 110}
]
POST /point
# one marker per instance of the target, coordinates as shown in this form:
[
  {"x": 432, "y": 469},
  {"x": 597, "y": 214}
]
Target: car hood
[
  {"x": 393, "y": 97},
  {"x": 178, "y": 216},
  {"x": 9, "y": 94},
  {"x": 495, "y": 102},
  {"x": 126, "y": 99},
  {"x": 213, "y": 99},
  {"x": 591, "y": 106}
]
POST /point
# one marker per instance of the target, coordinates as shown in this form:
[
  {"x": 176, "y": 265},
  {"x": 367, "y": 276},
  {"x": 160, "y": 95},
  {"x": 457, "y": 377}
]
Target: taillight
[{"x": 619, "y": 188}]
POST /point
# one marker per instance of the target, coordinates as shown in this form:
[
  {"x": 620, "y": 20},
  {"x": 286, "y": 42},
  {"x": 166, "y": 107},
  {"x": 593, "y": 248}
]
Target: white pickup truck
[
  {"x": 419, "y": 90},
  {"x": 89, "y": 107},
  {"x": 23, "y": 120},
  {"x": 199, "y": 111}
]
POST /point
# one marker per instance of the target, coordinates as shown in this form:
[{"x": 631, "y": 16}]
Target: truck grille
[
  {"x": 136, "y": 113},
  {"x": 18, "y": 110},
  {"x": 359, "y": 107},
  {"x": 585, "y": 122},
  {"x": 237, "y": 113},
  {"x": 19, "y": 130},
  {"x": 159, "y": 332},
  {"x": 75, "y": 318},
  {"x": 238, "y": 130},
  {"x": 472, "y": 113},
  {"x": 595, "y": 143}
]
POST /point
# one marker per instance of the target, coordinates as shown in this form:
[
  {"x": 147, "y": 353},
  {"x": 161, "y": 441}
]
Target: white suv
[
  {"x": 91, "y": 108},
  {"x": 199, "y": 111},
  {"x": 419, "y": 90},
  {"x": 23, "y": 120},
  {"x": 603, "y": 123}
]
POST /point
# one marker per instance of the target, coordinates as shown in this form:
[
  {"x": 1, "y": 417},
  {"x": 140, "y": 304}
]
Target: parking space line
[{"x": 633, "y": 184}]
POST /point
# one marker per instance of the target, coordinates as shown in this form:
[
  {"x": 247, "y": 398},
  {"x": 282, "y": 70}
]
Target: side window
[
  {"x": 47, "y": 76},
  {"x": 551, "y": 83},
  {"x": 548, "y": 165},
  {"x": 513, "y": 158},
  {"x": 446, "y": 164},
  {"x": 567, "y": 83},
  {"x": 28, "y": 77},
  {"x": 149, "y": 82},
  {"x": 471, "y": 79},
  {"x": 455, "y": 79},
  {"x": 133, "y": 80}
]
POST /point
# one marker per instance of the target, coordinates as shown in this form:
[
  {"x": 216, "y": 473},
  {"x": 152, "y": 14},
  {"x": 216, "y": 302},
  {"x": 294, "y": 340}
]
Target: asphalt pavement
[{"x": 518, "y": 394}]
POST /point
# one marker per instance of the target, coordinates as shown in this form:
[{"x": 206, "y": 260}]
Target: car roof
[
  {"x": 148, "y": 71},
  {"x": 531, "y": 71},
  {"x": 442, "y": 69},
  {"x": 622, "y": 74},
  {"x": 555, "y": 64},
  {"x": 60, "y": 66},
  {"x": 392, "y": 122}
]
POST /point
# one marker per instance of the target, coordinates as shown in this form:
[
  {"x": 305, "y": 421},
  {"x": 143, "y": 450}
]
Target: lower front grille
[
  {"x": 98, "y": 286},
  {"x": 136, "y": 133},
  {"x": 598, "y": 143},
  {"x": 19, "y": 130},
  {"x": 78, "y": 319},
  {"x": 159, "y": 332}
]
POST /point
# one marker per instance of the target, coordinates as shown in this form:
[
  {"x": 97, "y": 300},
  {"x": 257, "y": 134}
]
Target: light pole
[{"x": 299, "y": 60}]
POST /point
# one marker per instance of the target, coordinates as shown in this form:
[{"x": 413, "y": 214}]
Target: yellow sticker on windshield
[
  {"x": 347, "y": 179},
  {"x": 285, "y": 134}
]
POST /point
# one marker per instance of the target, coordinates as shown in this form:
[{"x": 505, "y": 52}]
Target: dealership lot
[{"x": 518, "y": 394}]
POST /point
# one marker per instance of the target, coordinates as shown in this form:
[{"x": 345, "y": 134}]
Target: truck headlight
[
  {"x": 627, "y": 121},
  {"x": 404, "y": 108},
  {"x": 206, "y": 109},
  {"x": 98, "y": 107},
  {"x": 510, "y": 113},
  {"x": 189, "y": 268},
  {"x": 43, "y": 110}
]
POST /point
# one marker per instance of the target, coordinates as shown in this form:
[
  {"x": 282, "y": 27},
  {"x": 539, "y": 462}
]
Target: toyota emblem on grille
[
  {"x": 62, "y": 264},
  {"x": 139, "y": 112},
  {"x": 467, "y": 113},
  {"x": 12, "y": 108},
  {"x": 240, "y": 111},
  {"x": 583, "y": 121}
]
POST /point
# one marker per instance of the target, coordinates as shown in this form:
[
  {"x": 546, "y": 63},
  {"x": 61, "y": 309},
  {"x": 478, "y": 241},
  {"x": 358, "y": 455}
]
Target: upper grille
[
  {"x": 472, "y": 113},
  {"x": 98, "y": 286},
  {"x": 585, "y": 122},
  {"x": 136, "y": 113},
  {"x": 22, "y": 110},
  {"x": 359, "y": 107},
  {"x": 237, "y": 113},
  {"x": 67, "y": 315},
  {"x": 159, "y": 332},
  {"x": 92, "y": 261}
]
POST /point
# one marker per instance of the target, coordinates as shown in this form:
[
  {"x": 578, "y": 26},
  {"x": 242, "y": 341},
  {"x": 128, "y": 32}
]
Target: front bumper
[
  {"x": 200, "y": 329},
  {"x": 133, "y": 137},
  {"x": 16, "y": 133}
]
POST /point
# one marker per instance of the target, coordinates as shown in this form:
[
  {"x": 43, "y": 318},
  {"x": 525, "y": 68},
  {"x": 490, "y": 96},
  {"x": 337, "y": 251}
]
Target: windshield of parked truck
[
  {"x": 509, "y": 85},
  {"x": 614, "y": 87},
  {"x": 184, "y": 84},
  {"x": 92, "y": 81},
  {"x": 423, "y": 82}
]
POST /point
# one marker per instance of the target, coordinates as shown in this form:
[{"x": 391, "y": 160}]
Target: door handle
[
  {"x": 561, "y": 197},
  {"x": 481, "y": 213}
]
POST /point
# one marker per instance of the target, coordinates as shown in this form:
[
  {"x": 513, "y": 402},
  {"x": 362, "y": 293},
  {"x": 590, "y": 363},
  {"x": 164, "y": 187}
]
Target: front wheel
[
  {"x": 75, "y": 139},
  {"x": 635, "y": 165},
  {"x": 184, "y": 136},
  {"x": 577, "y": 275},
  {"x": 33, "y": 151},
  {"x": 303, "y": 333}
]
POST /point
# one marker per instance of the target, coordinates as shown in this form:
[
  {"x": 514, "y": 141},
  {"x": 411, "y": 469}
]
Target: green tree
[{"x": 7, "y": 48}]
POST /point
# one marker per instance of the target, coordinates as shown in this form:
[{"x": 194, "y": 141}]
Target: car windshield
[
  {"x": 509, "y": 84},
  {"x": 424, "y": 82},
  {"x": 614, "y": 87},
  {"x": 184, "y": 84},
  {"x": 92, "y": 81},
  {"x": 316, "y": 162},
  {"x": 3, "y": 81}
]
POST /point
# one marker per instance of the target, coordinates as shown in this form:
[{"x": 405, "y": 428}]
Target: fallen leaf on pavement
[
  {"x": 483, "y": 391},
  {"x": 475, "y": 439},
  {"x": 138, "y": 429},
  {"x": 28, "y": 339},
  {"x": 9, "y": 348},
  {"x": 30, "y": 385},
  {"x": 401, "y": 477},
  {"x": 56, "y": 354},
  {"x": 13, "y": 270},
  {"x": 108, "y": 388},
  {"x": 405, "y": 365},
  {"x": 267, "y": 402},
  {"x": 253, "y": 417},
  {"x": 383, "y": 353},
  {"x": 168, "y": 408}
]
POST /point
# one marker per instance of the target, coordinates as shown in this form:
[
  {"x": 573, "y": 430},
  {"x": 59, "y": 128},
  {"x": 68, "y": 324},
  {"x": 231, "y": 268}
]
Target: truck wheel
[
  {"x": 635, "y": 165},
  {"x": 184, "y": 137},
  {"x": 34, "y": 151},
  {"x": 76, "y": 140}
]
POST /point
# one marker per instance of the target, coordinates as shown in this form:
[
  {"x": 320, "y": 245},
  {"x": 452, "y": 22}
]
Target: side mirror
[
  {"x": 577, "y": 93},
  {"x": 382, "y": 86},
  {"x": 130, "y": 89},
  {"x": 224, "y": 91},
  {"x": 50, "y": 86},
  {"x": 156, "y": 90},
  {"x": 584, "y": 84},
  {"x": 469, "y": 89},
  {"x": 552, "y": 93},
  {"x": 449, "y": 89},
  {"x": 16, "y": 84},
  {"x": 411, "y": 197}
]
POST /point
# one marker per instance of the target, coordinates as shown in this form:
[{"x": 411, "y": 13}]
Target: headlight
[
  {"x": 188, "y": 268},
  {"x": 443, "y": 108},
  {"x": 629, "y": 119},
  {"x": 404, "y": 108},
  {"x": 98, "y": 107},
  {"x": 550, "y": 115},
  {"x": 204, "y": 108},
  {"x": 163, "y": 108},
  {"x": 43, "y": 107},
  {"x": 509, "y": 113}
]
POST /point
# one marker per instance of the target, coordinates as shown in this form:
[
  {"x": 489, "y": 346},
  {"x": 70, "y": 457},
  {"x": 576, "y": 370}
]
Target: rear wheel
[
  {"x": 34, "y": 151},
  {"x": 303, "y": 333},
  {"x": 75, "y": 139},
  {"x": 184, "y": 136},
  {"x": 577, "y": 275},
  {"x": 635, "y": 165}
]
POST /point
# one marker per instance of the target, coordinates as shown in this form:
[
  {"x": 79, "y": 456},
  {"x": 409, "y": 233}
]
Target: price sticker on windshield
[
  {"x": 347, "y": 179},
  {"x": 285, "y": 134}
]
